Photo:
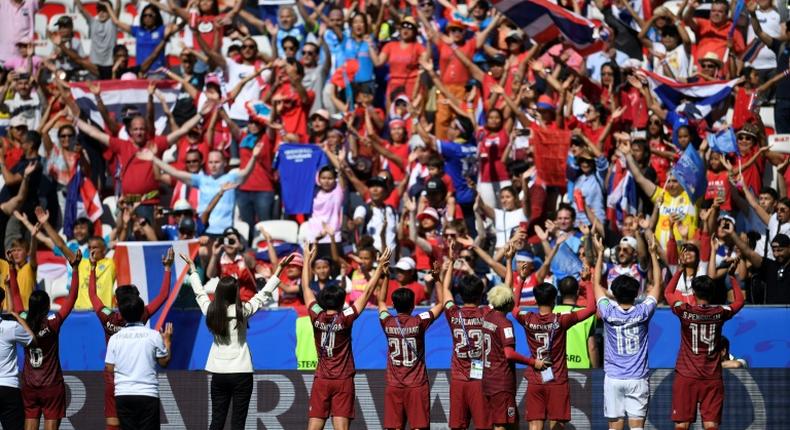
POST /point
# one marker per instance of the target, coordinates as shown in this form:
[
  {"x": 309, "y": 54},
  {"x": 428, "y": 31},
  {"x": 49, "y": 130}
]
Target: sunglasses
[
  {"x": 744, "y": 137},
  {"x": 148, "y": 15},
  {"x": 655, "y": 122},
  {"x": 426, "y": 3},
  {"x": 309, "y": 52},
  {"x": 455, "y": 30},
  {"x": 192, "y": 161},
  {"x": 63, "y": 136},
  {"x": 249, "y": 46}
]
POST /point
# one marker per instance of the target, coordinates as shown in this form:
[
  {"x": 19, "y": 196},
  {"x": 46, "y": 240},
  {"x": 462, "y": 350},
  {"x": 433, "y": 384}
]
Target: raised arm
[
  {"x": 746, "y": 250},
  {"x": 126, "y": 28},
  {"x": 13, "y": 285},
  {"x": 598, "y": 289},
  {"x": 591, "y": 307},
  {"x": 245, "y": 172},
  {"x": 93, "y": 132},
  {"x": 148, "y": 155},
  {"x": 655, "y": 288},
  {"x": 164, "y": 289},
  {"x": 311, "y": 250},
  {"x": 96, "y": 302},
  {"x": 381, "y": 297},
  {"x": 67, "y": 307},
  {"x": 383, "y": 265},
  {"x": 645, "y": 184}
]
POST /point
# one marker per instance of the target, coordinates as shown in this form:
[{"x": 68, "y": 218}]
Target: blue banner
[{"x": 753, "y": 333}]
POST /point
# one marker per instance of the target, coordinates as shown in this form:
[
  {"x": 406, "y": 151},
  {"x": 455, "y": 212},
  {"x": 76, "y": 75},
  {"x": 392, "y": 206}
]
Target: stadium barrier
[
  {"x": 282, "y": 340},
  {"x": 755, "y": 399}
]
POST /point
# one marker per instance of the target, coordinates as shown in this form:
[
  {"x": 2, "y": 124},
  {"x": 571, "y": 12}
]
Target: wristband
[{"x": 786, "y": 73}]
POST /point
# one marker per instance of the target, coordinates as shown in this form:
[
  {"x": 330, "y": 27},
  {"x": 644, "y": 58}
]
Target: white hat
[
  {"x": 17, "y": 121},
  {"x": 182, "y": 205},
  {"x": 415, "y": 141},
  {"x": 628, "y": 241},
  {"x": 406, "y": 264}
]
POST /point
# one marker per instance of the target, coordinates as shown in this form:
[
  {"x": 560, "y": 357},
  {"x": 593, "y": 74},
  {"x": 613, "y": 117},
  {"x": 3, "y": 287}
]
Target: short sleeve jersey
[
  {"x": 625, "y": 339},
  {"x": 546, "y": 340},
  {"x": 11, "y": 333},
  {"x": 499, "y": 374},
  {"x": 406, "y": 345},
  {"x": 112, "y": 322},
  {"x": 466, "y": 327},
  {"x": 332, "y": 335},
  {"x": 43, "y": 362},
  {"x": 700, "y": 344}
]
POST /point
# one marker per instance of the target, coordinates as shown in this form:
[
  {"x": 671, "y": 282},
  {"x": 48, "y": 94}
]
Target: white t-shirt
[
  {"x": 771, "y": 23},
  {"x": 376, "y": 223},
  {"x": 28, "y": 109},
  {"x": 504, "y": 222},
  {"x": 133, "y": 351},
  {"x": 773, "y": 229},
  {"x": 11, "y": 333},
  {"x": 250, "y": 91},
  {"x": 677, "y": 60}
]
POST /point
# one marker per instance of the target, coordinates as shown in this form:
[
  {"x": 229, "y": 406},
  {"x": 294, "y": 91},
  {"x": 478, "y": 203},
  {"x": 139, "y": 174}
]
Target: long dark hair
[
  {"x": 217, "y": 320},
  {"x": 158, "y": 21},
  {"x": 38, "y": 309}
]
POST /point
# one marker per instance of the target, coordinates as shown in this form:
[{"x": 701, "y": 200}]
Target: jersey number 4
[{"x": 703, "y": 335}]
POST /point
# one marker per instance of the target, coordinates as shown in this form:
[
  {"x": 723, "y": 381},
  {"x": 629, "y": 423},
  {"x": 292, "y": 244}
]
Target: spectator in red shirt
[
  {"x": 406, "y": 277},
  {"x": 290, "y": 102},
  {"x": 712, "y": 34},
  {"x": 138, "y": 180},
  {"x": 403, "y": 58}
]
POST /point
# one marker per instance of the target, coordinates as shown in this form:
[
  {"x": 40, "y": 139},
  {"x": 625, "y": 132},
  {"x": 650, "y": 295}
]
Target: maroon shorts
[
  {"x": 548, "y": 401},
  {"x": 332, "y": 397},
  {"x": 109, "y": 395},
  {"x": 502, "y": 408},
  {"x": 49, "y": 401},
  {"x": 409, "y": 403},
  {"x": 687, "y": 392},
  {"x": 466, "y": 399}
]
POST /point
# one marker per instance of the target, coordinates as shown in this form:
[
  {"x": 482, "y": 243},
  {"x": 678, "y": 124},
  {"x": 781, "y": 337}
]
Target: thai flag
[
  {"x": 140, "y": 264},
  {"x": 82, "y": 201},
  {"x": 544, "y": 22},
  {"x": 117, "y": 94},
  {"x": 622, "y": 199},
  {"x": 752, "y": 50},
  {"x": 693, "y": 100}
]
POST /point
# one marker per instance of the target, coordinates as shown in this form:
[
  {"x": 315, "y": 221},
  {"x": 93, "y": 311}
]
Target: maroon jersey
[
  {"x": 112, "y": 322},
  {"x": 406, "y": 343},
  {"x": 42, "y": 361},
  {"x": 546, "y": 340},
  {"x": 332, "y": 334},
  {"x": 700, "y": 332},
  {"x": 466, "y": 326},
  {"x": 499, "y": 374}
]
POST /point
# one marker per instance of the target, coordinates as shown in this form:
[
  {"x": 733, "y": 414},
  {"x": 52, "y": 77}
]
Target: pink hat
[
  {"x": 297, "y": 261},
  {"x": 428, "y": 212},
  {"x": 128, "y": 76}
]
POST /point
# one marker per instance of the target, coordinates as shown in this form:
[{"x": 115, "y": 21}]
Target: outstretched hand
[
  {"x": 77, "y": 259},
  {"x": 188, "y": 261},
  {"x": 167, "y": 259}
]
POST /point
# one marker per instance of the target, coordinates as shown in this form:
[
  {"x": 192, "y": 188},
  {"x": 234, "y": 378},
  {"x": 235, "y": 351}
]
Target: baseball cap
[
  {"x": 377, "y": 181},
  {"x": 297, "y": 261},
  {"x": 781, "y": 240},
  {"x": 628, "y": 241},
  {"x": 498, "y": 59},
  {"x": 323, "y": 113},
  {"x": 182, "y": 205},
  {"x": 428, "y": 212},
  {"x": 23, "y": 41},
  {"x": 514, "y": 34},
  {"x": 435, "y": 185},
  {"x": 17, "y": 121},
  {"x": 415, "y": 141},
  {"x": 545, "y": 102},
  {"x": 405, "y": 264}
]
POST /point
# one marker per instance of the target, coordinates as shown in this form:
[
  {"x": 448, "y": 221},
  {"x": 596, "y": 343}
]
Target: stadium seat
[
  {"x": 112, "y": 203},
  {"x": 52, "y": 8},
  {"x": 303, "y": 232},
  {"x": 285, "y": 230},
  {"x": 90, "y": 7},
  {"x": 243, "y": 228},
  {"x": 40, "y": 26}
]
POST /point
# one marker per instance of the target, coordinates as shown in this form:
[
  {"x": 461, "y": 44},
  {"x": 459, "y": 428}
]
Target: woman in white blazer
[{"x": 229, "y": 360}]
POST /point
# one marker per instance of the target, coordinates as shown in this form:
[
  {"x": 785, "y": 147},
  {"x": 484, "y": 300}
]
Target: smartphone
[{"x": 523, "y": 226}]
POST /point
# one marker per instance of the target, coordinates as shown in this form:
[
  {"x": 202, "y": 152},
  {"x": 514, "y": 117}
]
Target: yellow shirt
[
  {"x": 680, "y": 205},
  {"x": 105, "y": 280},
  {"x": 25, "y": 279}
]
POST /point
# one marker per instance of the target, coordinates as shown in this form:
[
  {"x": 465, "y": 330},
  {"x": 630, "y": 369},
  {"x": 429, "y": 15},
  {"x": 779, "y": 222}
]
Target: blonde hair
[{"x": 500, "y": 296}]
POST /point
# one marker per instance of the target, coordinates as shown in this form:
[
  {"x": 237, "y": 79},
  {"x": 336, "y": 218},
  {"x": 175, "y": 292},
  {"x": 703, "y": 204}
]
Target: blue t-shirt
[
  {"x": 460, "y": 161},
  {"x": 360, "y": 51},
  {"x": 171, "y": 230},
  {"x": 222, "y": 215},
  {"x": 147, "y": 41},
  {"x": 298, "y": 164}
]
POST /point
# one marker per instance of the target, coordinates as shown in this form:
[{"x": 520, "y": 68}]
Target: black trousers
[
  {"x": 224, "y": 388},
  {"x": 12, "y": 411},
  {"x": 138, "y": 412}
]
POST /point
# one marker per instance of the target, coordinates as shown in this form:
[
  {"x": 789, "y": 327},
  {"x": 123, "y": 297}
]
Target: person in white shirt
[
  {"x": 229, "y": 360},
  {"x": 132, "y": 356},
  {"x": 13, "y": 330},
  {"x": 671, "y": 57}
]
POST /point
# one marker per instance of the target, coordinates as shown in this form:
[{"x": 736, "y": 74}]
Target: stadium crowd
[{"x": 436, "y": 133}]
